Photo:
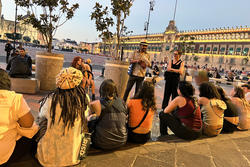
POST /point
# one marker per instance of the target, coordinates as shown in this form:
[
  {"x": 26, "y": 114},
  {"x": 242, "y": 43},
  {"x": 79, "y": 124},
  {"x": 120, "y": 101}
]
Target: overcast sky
[{"x": 191, "y": 14}]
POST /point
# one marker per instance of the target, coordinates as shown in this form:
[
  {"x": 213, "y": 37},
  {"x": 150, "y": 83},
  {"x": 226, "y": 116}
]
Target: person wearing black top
[
  {"x": 231, "y": 116},
  {"x": 20, "y": 66},
  {"x": 172, "y": 77},
  {"x": 8, "y": 48}
]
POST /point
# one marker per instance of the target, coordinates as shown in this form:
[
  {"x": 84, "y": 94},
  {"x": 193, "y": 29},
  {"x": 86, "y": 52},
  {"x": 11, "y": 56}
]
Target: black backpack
[{"x": 19, "y": 67}]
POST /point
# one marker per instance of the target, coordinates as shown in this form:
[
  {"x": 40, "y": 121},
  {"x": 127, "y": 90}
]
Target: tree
[
  {"x": 47, "y": 16},
  {"x": 120, "y": 10}
]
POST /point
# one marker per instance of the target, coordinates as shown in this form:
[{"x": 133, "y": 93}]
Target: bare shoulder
[{"x": 203, "y": 101}]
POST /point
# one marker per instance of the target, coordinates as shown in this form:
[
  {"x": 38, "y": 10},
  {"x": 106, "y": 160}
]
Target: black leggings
[
  {"x": 24, "y": 146},
  {"x": 168, "y": 120},
  {"x": 228, "y": 127},
  {"x": 138, "y": 138},
  {"x": 171, "y": 85}
]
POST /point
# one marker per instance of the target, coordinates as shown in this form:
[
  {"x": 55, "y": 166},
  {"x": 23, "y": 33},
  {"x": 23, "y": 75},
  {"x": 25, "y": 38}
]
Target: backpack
[{"x": 19, "y": 67}]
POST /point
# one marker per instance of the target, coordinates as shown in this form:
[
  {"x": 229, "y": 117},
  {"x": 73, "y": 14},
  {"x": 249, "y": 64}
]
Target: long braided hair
[{"x": 73, "y": 103}]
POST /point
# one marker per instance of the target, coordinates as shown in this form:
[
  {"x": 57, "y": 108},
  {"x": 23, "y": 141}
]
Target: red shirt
[{"x": 193, "y": 119}]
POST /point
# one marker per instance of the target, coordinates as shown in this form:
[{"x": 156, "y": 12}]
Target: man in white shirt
[{"x": 140, "y": 61}]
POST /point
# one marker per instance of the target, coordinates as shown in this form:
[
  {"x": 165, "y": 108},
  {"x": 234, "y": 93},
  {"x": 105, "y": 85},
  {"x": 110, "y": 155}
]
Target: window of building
[
  {"x": 167, "y": 47},
  {"x": 201, "y": 49},
  {"x": 208, "y": 49},
  {"x": 238, "y": 49},
  {"x": 222, "y": 49},
  {"x": 245, "y": 51},
  {"x": 215, "y": 49}
]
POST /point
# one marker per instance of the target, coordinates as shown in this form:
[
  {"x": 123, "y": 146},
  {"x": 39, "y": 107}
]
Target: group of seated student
[
  {"x": 20, "y": 65},
  {"x": 69, "y": 114},
  {"x": 210, "y": 115}
]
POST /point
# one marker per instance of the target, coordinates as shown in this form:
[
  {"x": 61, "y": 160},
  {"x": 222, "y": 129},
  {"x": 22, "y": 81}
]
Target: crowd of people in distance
[{"x": 67, "y": 115}]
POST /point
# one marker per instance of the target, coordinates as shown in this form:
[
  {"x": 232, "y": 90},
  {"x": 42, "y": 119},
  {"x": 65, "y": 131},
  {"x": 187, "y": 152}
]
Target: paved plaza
[{"x": 225, "y": 150}]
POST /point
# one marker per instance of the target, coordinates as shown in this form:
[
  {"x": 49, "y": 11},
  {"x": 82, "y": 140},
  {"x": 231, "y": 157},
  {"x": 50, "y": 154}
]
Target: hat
[
  {"x": 144, "y": 43},
  {"x": 69, "y": 78}
]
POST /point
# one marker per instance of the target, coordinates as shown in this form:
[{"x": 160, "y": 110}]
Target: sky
[{"x": 190, "y": 15}]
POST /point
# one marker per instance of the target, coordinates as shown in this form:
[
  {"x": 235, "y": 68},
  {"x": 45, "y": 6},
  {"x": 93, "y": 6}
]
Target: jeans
[{"x": 131, "y": 81}]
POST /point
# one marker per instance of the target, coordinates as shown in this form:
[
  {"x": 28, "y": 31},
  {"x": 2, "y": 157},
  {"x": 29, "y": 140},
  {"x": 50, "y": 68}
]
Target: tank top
[
  {"x": 190, "y": 116},
  {"x": 176, "y": 66}
]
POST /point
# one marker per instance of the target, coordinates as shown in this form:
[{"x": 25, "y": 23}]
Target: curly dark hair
[
  {"x": 208, "y": 90},
  {"x": 147, "y": 94},
  {"x": 75, "y": 60},
  {"x": 108, "y": 89},
  {"x": 239, "y": 92},
  {"x": 73, "y": 102}
]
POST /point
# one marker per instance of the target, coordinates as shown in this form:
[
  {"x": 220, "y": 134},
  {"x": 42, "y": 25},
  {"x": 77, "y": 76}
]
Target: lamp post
[
  {"x": 151, "y": 8},
  {"x": 15, "y": 28}
]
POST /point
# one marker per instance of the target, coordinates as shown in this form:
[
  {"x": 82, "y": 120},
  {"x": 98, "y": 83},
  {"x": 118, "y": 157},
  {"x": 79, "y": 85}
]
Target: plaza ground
[{"x": 225, "y": 150}]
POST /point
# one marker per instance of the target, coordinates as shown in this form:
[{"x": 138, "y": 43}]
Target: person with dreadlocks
[
  {"x": 16, "y": 125},
  {"x": 110, "y": 130},
  {"x": 65, "y": 110}
]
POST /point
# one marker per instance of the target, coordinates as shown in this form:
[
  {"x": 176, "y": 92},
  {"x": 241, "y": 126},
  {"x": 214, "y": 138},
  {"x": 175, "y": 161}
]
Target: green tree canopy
[{"x": 47, "y": 16}]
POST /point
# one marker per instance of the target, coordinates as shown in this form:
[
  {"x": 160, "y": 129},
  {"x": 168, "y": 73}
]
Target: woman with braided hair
[{"x": 65, "y": 110}]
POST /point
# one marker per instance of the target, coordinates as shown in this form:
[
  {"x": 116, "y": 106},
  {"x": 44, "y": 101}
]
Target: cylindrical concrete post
[
  {"x": 48, "y": 65},
  {"x": 118, "y": 72}
]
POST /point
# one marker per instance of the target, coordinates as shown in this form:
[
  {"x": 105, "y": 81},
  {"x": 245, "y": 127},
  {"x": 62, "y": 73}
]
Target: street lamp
[
  {"x": 15, "y": 28},
  {"x": 151, "y": 8}
]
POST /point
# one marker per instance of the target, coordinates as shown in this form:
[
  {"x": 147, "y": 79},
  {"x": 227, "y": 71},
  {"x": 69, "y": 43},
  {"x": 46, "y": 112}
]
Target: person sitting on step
[
  {"x": 212, "y": 109},
  {"x": 108, "y": 121},
  {"x": 141, "y": 113},
  {"x": 243, "y": 107},
  {"x": 182, "y": 115}
]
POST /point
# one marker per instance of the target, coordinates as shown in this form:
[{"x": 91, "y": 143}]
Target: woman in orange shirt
[{"x": 141, "y": 112}]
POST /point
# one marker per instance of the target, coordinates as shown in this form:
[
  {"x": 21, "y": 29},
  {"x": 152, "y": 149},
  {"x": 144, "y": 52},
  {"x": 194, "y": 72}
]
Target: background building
[
  {"x": 226, "y": 48},
  {"x": 28, "y": 32}
]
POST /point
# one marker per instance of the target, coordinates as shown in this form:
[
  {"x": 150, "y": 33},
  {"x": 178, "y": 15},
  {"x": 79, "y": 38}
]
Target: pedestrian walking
[{"x": 8, "y": 48}]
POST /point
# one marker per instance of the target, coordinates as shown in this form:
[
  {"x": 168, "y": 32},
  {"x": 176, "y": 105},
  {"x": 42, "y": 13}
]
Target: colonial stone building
[
  {"x": 226, "y": 48},
  {"x": 8, "y": 26}
]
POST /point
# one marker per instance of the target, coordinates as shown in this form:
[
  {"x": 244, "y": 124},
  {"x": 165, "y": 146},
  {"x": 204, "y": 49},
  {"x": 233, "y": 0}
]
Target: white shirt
[
  {"x": 54, "y": 148},
  {"x": 248, "y": 97},
  {"x": 12, "y": 107}
]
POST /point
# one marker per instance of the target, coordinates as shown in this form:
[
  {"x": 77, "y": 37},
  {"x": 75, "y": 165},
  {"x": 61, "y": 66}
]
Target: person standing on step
[
  {"x": 172, "y": 76},
  {"x": 8, "y": 48},
  {"x": 91, "y": 78},
  {"x": 137, "y": 70}
]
